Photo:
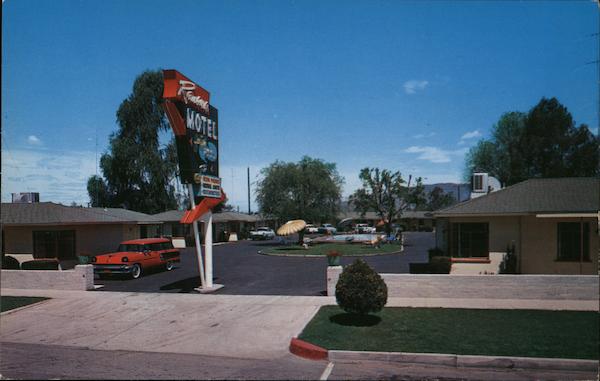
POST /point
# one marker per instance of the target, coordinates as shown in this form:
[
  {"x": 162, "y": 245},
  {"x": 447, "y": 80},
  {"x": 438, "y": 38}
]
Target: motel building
[
  {"x": 551, "y": 223},
  {"x": 49, "y": 230},
  {"x": 32, "y": 230}
]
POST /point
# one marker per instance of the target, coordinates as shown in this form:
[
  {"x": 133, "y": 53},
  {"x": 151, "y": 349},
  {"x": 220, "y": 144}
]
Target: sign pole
[
  {"x": 208, "y": 246},
  {"x": 197, "y": 240}
]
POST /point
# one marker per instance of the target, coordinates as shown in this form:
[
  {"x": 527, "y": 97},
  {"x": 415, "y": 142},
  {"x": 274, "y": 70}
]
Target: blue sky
[{"x": 402, "y": 85}]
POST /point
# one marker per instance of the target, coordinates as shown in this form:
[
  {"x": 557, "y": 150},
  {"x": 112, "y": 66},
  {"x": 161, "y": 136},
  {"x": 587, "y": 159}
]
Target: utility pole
[{"x": 249, "y": 210}]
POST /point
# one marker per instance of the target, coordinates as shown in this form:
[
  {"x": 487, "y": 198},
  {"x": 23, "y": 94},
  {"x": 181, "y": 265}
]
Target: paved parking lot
[{"x": 243, "y": 271}]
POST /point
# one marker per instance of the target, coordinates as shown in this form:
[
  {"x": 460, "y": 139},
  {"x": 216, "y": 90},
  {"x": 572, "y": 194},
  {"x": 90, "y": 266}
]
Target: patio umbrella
[
  {"x": 291, "y": 227},
  {"x": 345, "y": 221}
]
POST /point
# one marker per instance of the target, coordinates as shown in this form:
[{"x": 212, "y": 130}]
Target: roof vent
[
  {"x": 27, "y": 198},
  {"x": 483, "y": 183}
]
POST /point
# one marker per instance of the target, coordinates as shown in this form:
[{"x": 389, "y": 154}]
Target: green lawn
[
  {"x": 11, "y": 302},
  {"x": 347, "y": 249},
  {"x": 526, "y": 333}
]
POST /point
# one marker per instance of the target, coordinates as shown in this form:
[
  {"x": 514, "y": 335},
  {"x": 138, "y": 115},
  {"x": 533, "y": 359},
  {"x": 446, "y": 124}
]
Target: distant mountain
[{"x": 464, "y": 190}]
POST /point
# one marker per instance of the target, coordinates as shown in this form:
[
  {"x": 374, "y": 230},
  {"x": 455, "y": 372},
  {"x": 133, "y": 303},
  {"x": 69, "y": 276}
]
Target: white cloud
[
  {"x": 34, "y": 140},
  {"x": 57, "y": 176},
  {"x": 471, "y": 135},
  {"x": 434, "y": 154},
  {"x": 412, "y": 86},
  {"x": 427, "y": 135}
]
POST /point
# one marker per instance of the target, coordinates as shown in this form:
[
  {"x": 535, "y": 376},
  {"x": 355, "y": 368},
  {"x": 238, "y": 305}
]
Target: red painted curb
[{"x": 307, "y": 350}]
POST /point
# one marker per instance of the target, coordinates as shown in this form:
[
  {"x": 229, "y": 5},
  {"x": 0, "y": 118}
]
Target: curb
[
  {"x": 323, "y": 256},
  {"x": 307, "y": 350},
  {"x": 468, "y": 361},
  {"x": 310, "y": 351}
]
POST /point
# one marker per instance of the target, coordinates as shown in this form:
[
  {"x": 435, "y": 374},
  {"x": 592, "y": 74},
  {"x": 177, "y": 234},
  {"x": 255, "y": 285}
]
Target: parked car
[
  {"x": 262, "y": 233},
  {"x": 327, "y": 229},
  {"x": 311, "y": 229},
  {"x": 364, "y": 229},
  {"x": 136, "y": 256}
]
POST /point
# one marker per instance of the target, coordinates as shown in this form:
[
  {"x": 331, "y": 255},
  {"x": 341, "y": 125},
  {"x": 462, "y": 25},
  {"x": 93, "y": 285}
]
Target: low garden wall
[
  {"x": 540, "y": 287},
  {"x": 81, "y": 278},
  {"x": 548, "y": 287}
]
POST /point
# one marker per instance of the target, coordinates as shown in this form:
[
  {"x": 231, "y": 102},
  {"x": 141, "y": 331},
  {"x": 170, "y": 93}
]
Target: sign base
[{"x": 209, "y": 290}]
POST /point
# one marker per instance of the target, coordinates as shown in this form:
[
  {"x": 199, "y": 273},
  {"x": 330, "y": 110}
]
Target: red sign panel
[
  {"x": 178, "y": 87},
  {"x": 196, "y": 126}
]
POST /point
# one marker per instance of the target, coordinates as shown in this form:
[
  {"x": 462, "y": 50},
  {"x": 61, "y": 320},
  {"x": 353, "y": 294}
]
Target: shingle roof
[
  {"x": 128, "y": 215},
  {"x": 559, "y": 195},
  {"x": 176, "y": 215},
  {"x": 170, "y": 216},
  {"x": 375, "y": 216},
  {"x": 48, "y": 213}
]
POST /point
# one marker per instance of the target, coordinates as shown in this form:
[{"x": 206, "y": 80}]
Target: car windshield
[
  {"x": 264, "y": 229},
  {"x": 129, "y": 247}
]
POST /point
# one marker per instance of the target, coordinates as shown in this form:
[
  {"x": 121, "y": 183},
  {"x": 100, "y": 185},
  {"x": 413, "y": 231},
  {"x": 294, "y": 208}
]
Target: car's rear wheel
[
  {"x": 136, "y": 271},
  {"x": 169, "y": 265}
]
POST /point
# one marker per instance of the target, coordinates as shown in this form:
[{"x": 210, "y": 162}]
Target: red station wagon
[{"x": 135, "y": 256}]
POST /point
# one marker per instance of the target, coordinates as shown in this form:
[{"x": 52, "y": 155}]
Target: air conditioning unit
[
  {"x": 483, "y": 183},
  {"x": 28, "y": 197}
]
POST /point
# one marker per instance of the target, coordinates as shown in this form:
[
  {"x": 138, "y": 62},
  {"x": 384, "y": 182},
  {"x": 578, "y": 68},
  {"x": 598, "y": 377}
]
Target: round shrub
[
  {"x": 360, "y": 289},
  {"x": 10, "y": 263}
]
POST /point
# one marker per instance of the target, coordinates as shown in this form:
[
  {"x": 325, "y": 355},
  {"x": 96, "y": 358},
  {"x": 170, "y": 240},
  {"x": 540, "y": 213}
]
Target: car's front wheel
[
  {"x": 136, "y": 271},
  {"x": 169, "y": 265}
]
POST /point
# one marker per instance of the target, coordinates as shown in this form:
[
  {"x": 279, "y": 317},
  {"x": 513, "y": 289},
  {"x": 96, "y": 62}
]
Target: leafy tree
[
  {"x": 385, "y": 193},
  {"x": 308, "y": 190},
  {"x": 223, "y": 207},
  {"x": 545, "y": 142},
  {"x": 437, "y": 199},
  {"x": 98, "y": 192},
  {"x": 138, "y": 173}
]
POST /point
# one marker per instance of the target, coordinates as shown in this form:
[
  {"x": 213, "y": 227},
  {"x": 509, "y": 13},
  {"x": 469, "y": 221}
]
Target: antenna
[
  {"x": 96, "y": 132},
  {"x": 249, "y": 210}
]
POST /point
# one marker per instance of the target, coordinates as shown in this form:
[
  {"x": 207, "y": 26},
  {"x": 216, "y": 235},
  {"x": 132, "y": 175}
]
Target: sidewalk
[{"x": 258, "y": 327}]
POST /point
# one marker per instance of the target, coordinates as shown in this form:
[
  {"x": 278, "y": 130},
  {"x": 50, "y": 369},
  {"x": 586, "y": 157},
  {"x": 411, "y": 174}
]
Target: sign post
[
  {"x": 197, "y": 240},
  {"x": 195, "y": 123},
  {"x": 208, "y": 246}
]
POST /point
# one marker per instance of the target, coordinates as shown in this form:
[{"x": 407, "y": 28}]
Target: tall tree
[
  {"x": 387, "y": 194},
  {"x": 437, "y": 199},
  {"x": 545, "y": 142},
  {"x": 138, "y": 173},
  {"x": 309, "y": 190},
  {"x": 98, "y": 192}
]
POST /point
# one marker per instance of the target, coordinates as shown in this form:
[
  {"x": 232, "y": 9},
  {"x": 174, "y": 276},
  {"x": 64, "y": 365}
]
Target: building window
[
  {"x": 573, "y": 241},
  {"x": 478, "y": 183},
  {"x": 54, "y": 244},
  {"x": 470, "y": 240}
]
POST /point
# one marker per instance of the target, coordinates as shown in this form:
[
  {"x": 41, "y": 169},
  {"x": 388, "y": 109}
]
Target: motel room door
[{"x": 470, "y": 240}]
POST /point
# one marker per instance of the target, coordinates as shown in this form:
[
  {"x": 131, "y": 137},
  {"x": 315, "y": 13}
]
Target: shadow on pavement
[
  {"x": 185, "y": 285},
  {"x": 355, "y": 320}
]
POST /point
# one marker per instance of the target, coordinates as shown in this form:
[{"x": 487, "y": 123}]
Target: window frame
[{"x": 584, "y": 241}]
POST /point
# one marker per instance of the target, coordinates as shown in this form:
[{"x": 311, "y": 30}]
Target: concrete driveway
[
  {"x": 243, "y": 271},
  {"x": 258, "y": 327}
]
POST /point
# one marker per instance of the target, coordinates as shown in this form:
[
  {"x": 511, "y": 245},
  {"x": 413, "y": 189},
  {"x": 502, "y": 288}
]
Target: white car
[
  {"x": 262, "y": 233},
  {"x": 364, "y": 229},
  {"x": 311, "y": 229},
  {"x": 327, "y": 228}
]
